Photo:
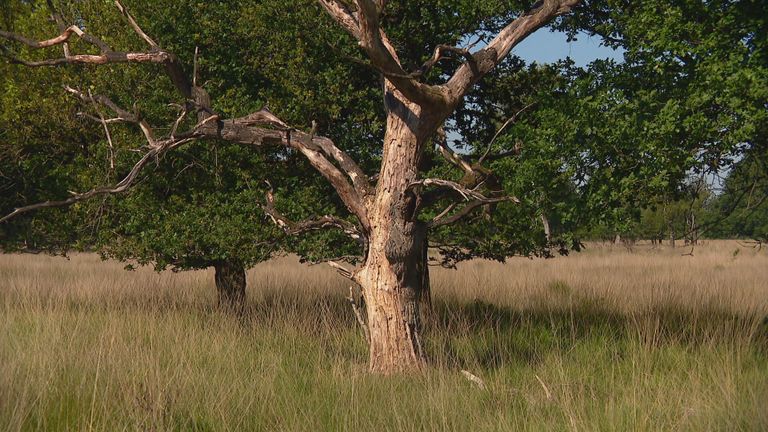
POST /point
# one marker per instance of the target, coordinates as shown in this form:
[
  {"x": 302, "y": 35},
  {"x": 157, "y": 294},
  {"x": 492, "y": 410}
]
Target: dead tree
[{"x": 386, "y": 214}]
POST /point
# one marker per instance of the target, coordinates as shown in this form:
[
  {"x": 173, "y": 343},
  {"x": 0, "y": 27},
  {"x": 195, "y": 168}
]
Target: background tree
[
  {"x": 687, "y": 102},
  {"x": 740, "y": 211},
  {"x": 692, "y": 86},
  {"x": 205, "y": 198}
]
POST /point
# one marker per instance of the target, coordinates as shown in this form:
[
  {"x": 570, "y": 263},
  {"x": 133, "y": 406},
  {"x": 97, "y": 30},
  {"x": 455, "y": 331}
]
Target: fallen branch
[{"x": 474, "y": 379}]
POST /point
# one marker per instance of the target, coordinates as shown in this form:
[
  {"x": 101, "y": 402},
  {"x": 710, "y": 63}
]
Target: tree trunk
[
  {"x": 547, "y": 229},
  {"x": 392, "y": 281},
  {"x": 672, "y": 236},
  {"x": 394, "y": 273},
  {"x": 694, "y": 230},
  {"x": 230, "y": 283}
]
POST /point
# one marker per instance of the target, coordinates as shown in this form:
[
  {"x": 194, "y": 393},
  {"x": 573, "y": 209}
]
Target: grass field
[{"x": 609, "y": 339}]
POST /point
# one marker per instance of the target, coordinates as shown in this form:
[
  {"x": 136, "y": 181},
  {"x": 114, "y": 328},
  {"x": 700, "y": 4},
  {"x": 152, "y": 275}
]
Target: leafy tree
[
  {"x": 205, "y": 200},
  {"x": 691, "y": 92},
  {"x": 741, "y": 210},
  {"x": 687, "y": 102},
  {"x": 386, "y": 214},
  {"x": 41, "y": 140},
  {"x": 622, "y": 133}
]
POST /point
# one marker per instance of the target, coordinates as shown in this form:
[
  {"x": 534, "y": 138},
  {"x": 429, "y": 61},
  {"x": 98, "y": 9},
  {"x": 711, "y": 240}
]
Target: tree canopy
[{"x": 253, "y": 97}]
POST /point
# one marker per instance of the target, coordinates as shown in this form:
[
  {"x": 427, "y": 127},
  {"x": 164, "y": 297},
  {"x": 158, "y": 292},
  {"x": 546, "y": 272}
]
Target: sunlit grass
[{"x": 610, "y": 339}]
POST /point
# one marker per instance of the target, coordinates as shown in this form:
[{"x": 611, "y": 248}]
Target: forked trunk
[{"x": 230, "y": 283}]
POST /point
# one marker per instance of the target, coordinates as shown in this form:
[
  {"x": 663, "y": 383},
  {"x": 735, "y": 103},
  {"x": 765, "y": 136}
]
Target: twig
[
  {"x": 501, "y": 129},
  {"x": 544, "y": 386},
  {"x": 106, "y": 132},
  {"x": 341, "y": 269},
  {"x": 358, "y": 315}
]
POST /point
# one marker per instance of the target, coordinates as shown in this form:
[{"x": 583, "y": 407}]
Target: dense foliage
[{"x": 605, "y": 145}]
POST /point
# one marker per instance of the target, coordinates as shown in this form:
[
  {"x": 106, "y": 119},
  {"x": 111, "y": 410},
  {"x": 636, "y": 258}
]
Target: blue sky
[{"x": 545, "y": 46}]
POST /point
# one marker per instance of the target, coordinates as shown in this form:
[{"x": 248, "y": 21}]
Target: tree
[
  {"x": 205, "y": 199},
  {"x": 386, "y": 214},
  {"x": 190, "y": 227},
  {"x": 687, "y": 102},
  {"x": 741, "y": 210}
]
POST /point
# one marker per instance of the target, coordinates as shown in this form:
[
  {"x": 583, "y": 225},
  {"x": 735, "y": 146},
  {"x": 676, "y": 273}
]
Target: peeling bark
[{"x": 394, "y": 274}]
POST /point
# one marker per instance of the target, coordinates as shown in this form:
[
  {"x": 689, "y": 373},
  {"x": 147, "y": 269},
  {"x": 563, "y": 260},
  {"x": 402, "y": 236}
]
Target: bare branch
[
  {"x": 474, "y": 199},
  {"x": 358, "y": 315},
  {"x": 107, "y": 56},
  {"x": 438, "y": 55},
  {"x": 450, "y": 155},
  {"x": 445, "y": 212},
  {"x": 487, "y": 58},
  {"x": 121, "y": 113},
  {"x": 103, "y": 122},
  {"x": 60, "y": 24},
  {"x": 120, "y": 187},
  {"x": 349, "y": 274},
  {"x": 363, "y": 25},
  {"x": 60, "y": 39},
  {"x": 294, "y": 228},
  {"x": 509, "y": 121},
  {"x": 159, "y": 57},
  {"x": 351, "y": 259},
  {"x": 260, "y": 128},
  {"x": 350, "y": 167},
  {"x": 444, "y": 219},
  {"x": 313, "y": 148},
  {"x": 465, "y": 193},
  {"x": 341, "y": 13},
  {"x": 134, "y": 25},
  {"x": 178, "y": 121}
]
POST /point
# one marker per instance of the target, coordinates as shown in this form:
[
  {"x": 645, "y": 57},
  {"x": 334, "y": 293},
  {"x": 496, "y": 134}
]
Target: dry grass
[{"x": 603, "y": 340}]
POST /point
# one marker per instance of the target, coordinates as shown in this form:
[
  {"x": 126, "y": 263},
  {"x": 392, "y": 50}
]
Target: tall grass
[{"x": 609, "y": 339}]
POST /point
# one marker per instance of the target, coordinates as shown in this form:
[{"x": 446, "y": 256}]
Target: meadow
[{"x": 608, "y": 339}]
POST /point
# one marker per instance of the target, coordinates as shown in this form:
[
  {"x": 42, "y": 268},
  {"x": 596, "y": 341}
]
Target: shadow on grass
[
  {"x": 482, "y": 334},
  {"x": 471, "y": 334}
]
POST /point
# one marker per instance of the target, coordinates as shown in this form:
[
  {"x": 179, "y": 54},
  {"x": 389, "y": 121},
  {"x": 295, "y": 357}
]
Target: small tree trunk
[
  {"x": 230, "y": 283},
  {"x": 672, "y": 236},
  {"x": 547, "y": 229},
  {"x": 694, "y": 229}
]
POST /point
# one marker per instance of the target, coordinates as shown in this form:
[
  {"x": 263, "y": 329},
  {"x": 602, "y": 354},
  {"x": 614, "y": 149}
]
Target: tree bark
[
  {"x": 393, "y": 276},
  {"x": 230, "y": 283}
]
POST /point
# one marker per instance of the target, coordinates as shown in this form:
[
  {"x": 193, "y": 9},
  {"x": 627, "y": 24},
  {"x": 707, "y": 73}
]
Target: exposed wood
[
  {"x": 547, "y": 228},
  {"x": 354, "y": 302},
  {"x": 499, "y": 48}
]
